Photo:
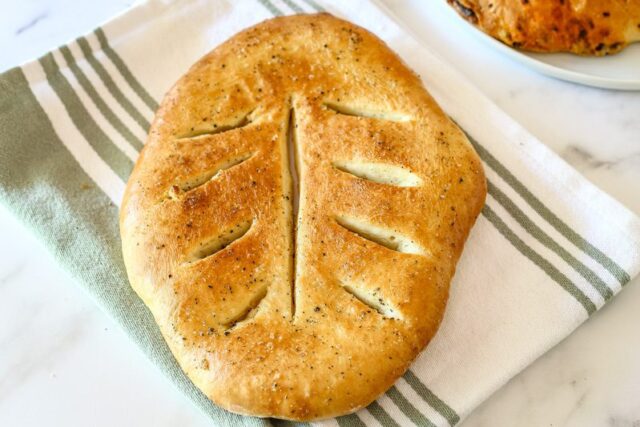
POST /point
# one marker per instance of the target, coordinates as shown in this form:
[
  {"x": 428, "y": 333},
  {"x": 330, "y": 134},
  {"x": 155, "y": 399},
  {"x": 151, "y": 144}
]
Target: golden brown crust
[
  {"x": 207, "y": 221},
  {"x": 584, "y": 27}
]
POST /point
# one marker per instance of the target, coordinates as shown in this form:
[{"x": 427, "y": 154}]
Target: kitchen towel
[{"x": 548, "y": 250}]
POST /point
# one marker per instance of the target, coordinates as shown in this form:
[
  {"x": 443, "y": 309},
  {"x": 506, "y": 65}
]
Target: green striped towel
[{"x": 548, "y": 250}]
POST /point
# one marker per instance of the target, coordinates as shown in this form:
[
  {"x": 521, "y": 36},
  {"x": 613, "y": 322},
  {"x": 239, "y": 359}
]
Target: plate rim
[{"x": 549, "y": 69}]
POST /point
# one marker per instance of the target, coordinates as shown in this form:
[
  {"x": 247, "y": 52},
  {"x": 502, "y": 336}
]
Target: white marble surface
[{"x": 64, "y": 363}]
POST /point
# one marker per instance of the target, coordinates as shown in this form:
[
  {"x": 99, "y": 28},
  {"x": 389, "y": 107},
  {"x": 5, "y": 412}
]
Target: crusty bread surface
[
  {"x": 295, "y": 218},
  {"x": 584, "y": 27}
]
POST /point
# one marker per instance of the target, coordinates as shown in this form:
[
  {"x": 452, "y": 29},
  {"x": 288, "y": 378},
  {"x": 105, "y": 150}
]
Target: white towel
[{"x": 548, "y": 250}]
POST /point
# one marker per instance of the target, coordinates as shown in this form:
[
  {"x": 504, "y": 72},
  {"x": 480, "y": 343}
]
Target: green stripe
[
  {"x": 89, "y": 129},
  {"x": 350, "y": 420},
  {"x": 271, "y": 7},
  {"x": 111, "y": 85},
  {"x": 314, "y": 5},
  {"x": 432, "y": 400},
  {"x": 579, "y": 241},
  {"x": 125, "y": 71},
  {"x": 275, "y": 422},
  {"x": 293, "y": 6},
  {"x": 95, "y": 97},
  {"x": 547, "y": 241},
  {"x": 538, "y": 260},
  {"x": 409, "y": 410},
  {"x": 381, "y": 415},
  {"x": 48, "y": 191}
]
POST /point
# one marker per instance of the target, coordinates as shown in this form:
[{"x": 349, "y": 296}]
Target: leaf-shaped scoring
[{"x": 381, "y": 173}]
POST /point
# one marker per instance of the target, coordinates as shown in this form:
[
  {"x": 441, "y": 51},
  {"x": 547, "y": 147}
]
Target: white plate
[{"x": 620, "y": 71}]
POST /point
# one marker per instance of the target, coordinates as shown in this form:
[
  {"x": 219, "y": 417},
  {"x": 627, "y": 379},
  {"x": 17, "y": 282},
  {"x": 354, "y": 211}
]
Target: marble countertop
[{"x": 65, "y": 363}]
